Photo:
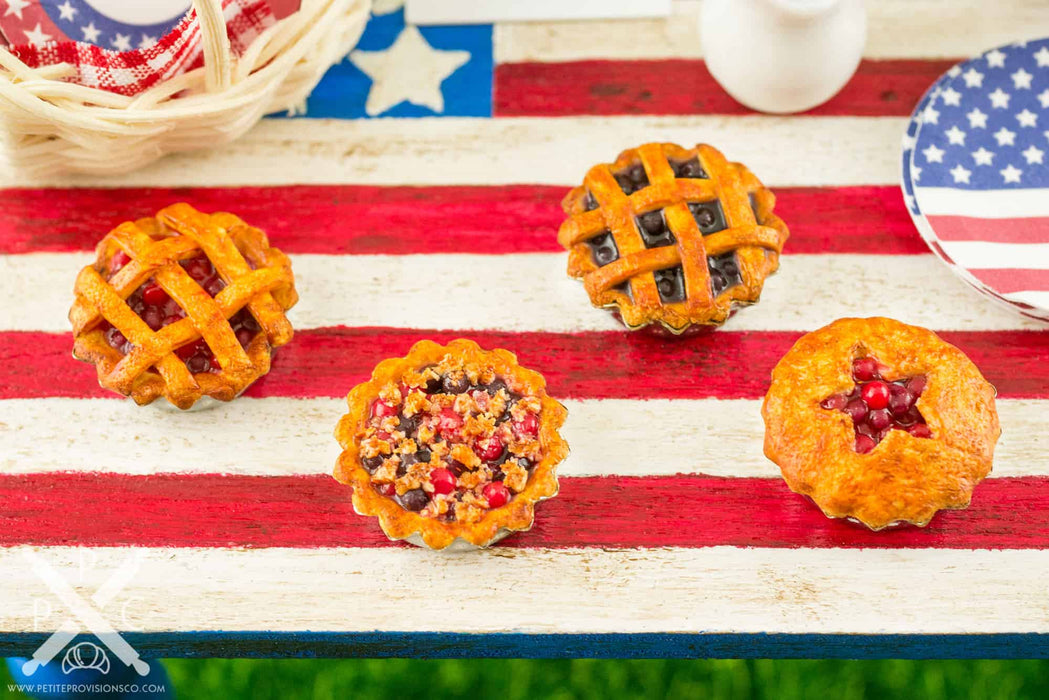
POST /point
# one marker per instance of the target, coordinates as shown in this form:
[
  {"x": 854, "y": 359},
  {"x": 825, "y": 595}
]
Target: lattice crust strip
[
  {"x": 257, "y": 277},
  {"x": 601, "y": 207}
]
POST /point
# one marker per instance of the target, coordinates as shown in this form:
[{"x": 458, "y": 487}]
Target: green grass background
[{"x": 520, "y": 679}]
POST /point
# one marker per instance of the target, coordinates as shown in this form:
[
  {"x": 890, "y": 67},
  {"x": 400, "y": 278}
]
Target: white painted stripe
[
  {"x": 704, "y": 436},
  {"x": 983, "y": 204},
  {"x": 981, "y": 255},
  {"x": 1037, "y": 299},
  {"x": 532, "y": 292},
  {"x": 527, "y": 150},
  {"x": 717, "y": 589},
  {"x": 895, "y": 29},
  {"x": 426, "y": 12}
]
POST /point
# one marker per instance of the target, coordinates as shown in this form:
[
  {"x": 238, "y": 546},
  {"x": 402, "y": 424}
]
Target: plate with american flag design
[{"x": 979, "y": 172}]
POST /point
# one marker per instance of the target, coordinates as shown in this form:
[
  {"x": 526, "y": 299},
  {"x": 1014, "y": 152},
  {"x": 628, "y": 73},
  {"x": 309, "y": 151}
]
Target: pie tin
[{"x": 459, "y": 544}]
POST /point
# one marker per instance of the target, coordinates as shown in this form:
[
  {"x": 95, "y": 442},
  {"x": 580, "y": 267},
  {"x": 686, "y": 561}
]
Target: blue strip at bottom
[{"x": 548, "y": 646}]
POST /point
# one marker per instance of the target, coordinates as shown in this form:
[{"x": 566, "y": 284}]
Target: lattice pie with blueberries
[
  {"x": 181, "y": 306},
  {"x": 451, "y": 442},
  {"x": 671, "y": 236}
]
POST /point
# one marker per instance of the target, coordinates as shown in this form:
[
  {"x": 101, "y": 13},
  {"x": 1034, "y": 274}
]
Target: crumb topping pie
[
  {"x": 880, "y": 422},
  {"x": 451, "y": 442},
  {"x": 182, "y": 305},
  {"x": 672, "y": 236}
]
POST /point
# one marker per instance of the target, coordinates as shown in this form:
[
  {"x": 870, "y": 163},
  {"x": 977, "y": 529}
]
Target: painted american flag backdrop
[{"x": 419, "y": 198}]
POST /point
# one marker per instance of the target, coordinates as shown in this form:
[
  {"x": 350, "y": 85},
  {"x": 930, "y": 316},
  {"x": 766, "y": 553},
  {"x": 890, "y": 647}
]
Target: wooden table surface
[{"x": 672, "y": 535}]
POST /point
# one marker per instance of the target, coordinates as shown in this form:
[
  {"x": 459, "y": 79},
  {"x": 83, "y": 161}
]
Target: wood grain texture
[
  {"x": 531, "y": 292},
  {"x": 715, "y": 437},
  {"x": 580, "y": 591},
  {"x": 209, "y": 510},
  {"x": 895, "y": 29},
  {"x": 360, "y": 219},
  {"x": 685, "y": 86},
  {"x": 722, "y": 364},
  {"x": 466, "y": 151}
]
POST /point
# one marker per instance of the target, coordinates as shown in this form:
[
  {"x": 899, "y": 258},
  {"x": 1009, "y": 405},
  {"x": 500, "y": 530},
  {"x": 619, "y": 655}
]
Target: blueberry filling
[
  {"x": 724, "y": 272},
  {"x": 708, "y": 216},
  {"x": 670, "y": 284},
  {"x": 603, "y": 248},
  {"x": 654, "y": 231},
  {"x": 589, "y": 203},
  {"x": 632, "y": 179},
  {"x": 688, "y": 169}
]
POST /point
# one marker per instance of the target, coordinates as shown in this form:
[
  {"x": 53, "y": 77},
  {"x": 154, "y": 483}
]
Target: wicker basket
[{"x": 52, "y": 126}]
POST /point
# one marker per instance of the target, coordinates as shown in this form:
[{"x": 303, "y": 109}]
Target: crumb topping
[{"x": 451, "y": 440}]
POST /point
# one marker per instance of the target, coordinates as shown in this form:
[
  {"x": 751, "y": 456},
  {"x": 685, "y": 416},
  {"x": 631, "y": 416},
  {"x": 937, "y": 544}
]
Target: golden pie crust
[
  {"x": 904, "y": 478},
  {"x": 399, "y": 523},
  {"x": 752, "y": 231},
  {"x": 257, "y": 276}
]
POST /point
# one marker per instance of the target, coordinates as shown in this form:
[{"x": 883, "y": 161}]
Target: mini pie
[
  {"x": 451, "y": 442},
  {"x": 671, "y": 236},
  {"x": 181, "y": 306},
  {"x": 880, "y": 422}
]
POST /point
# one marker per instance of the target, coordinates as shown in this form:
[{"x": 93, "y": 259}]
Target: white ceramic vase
[{"x": 782, "y": 55}]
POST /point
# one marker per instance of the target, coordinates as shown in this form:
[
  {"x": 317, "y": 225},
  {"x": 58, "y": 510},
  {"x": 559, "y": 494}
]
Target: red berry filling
[
  {"x": 157, "y": 309},
  {"x": 877, "y": 405},
  {"x": 451, "y": 441}
]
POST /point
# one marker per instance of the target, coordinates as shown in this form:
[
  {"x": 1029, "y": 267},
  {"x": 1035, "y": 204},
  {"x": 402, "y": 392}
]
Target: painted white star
[
  {"x": 66, "y": 11},
  {"x": 982, "y": 156},
  {"x": 908, "y": 142},
  {"x": 1033, "y": 155},
  {"x": 933, "y": 154},
  {"x": 1027, "y": 118},
  {"x": 1004, "y": 137},
  {"x": 122, "y": 42},
  {"x": 999, "y": 99},
  {"x": 36, "y": 36},
  {"x": 972, "y": 78},
  {"x": 977, "y": 119},
  {"x": 951, "y": 97},
  {"x": 1043, "y": 97},
  {"x": 960, "y": 174},
  {"x": 15, "y": 7},
  {"x": 954, "y": 71},
  {"x": 147, "y": 41},
  {"x": 411, "y": 70},
  {"x": 996, "y": 59},
  {"x": 1042, "y": 57},
  {"x": 931, "y": 116},
  {"x": 955, "y": 136},
  {"x": 1011, "y": 174},
  {"x": 1021, "y": 79},
  {"x": 909, "y": 201},
  {"x": 91, "y": 33}
]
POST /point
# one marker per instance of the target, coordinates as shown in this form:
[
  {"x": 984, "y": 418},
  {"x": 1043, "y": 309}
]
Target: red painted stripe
[
  {"x": 685, "y": 86},
  {"x": 338, "y": 219},
  {"x": 1007, "y": 281},
  {"x": 315, "y": 511},
  {"x": 718, "y": 364},
  {"x": 965, "y": 228}
]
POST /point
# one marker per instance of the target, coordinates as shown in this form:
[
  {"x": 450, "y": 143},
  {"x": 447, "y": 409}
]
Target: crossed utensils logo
[{"x": 89, "y": 615}]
